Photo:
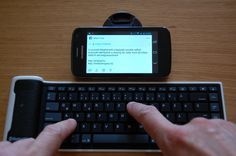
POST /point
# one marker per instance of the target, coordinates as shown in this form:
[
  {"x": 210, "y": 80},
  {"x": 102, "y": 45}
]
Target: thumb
[
  {"x": 156, "y": 125},
  {"x": 50, "y": 139}
]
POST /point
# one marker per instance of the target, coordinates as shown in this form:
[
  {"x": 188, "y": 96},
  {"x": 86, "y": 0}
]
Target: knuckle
[{"x": 176, "y": 136}]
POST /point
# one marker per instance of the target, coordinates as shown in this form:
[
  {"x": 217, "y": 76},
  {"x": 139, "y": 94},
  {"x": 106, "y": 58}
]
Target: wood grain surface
[{"x": 35, "y": 39}]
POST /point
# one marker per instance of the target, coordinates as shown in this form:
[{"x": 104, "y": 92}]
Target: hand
[
  {"x": 46, "y": 144},
  {"x": 199, "y": 137}
]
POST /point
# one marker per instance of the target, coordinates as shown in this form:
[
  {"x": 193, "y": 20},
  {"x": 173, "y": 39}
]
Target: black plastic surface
[
  {"x": 122, "y": 19},
  {"x": 26, "y": 110}
]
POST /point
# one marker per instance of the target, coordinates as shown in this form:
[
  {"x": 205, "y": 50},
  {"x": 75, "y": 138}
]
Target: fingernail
[{"x": 130, "y": 104}]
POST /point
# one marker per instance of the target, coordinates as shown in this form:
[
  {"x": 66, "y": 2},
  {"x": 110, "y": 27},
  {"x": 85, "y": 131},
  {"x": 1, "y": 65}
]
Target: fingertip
[
  {"x": 130, "y": 105},
  {"x": 72, "y": 122}
]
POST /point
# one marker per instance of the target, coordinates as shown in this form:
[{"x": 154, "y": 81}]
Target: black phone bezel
[{"x": 78, "y": 51}]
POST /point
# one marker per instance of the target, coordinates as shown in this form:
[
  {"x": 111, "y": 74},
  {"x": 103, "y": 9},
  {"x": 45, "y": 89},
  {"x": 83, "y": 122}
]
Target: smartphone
[{"x": 121, "y": 52}]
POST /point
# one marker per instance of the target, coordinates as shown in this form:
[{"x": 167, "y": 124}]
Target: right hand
[{"x": 200, "y": 137}]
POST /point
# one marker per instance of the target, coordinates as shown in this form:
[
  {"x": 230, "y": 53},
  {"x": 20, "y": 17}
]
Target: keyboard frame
[{"x": 12, "y": 96}]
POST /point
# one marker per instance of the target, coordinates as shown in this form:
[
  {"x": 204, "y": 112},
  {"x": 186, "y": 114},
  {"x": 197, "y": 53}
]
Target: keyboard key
[
  {"x": 120, "y": 107},
  {"x": 91, "y": 89},
  {"x": 142, "y": 89},
  {"x": 123, "y": 117},
  {"x": 213, "y": 89},
  {"x": 201, "y": 107},
  {"x": 72, "y": 96},
  {"x": 181, "y": 117},
  {"x": 165, "y": 107},
  {"x": 51, "y": 96},
  {"x": 97, "y": 127},
  {"x": 76, "y": 107},
  {"x": 90, "y": 116},
  {"x": 86, "y": 138},
  {"x": 67, "y": 116},
  {"x": 94, "y": 96},
  {"x": 172, "y": 89},
  {"x": 108, "y": 127},
  {"x": 182, "y": 89},
  {"x": 75, "y": 138},
  {"x": 214, "y": 107},
  {"x": 105, "y": 96},
  {"x": 101, "y": 88},
  {"x": 215, "y": 115},
  {"x": 81, "y": 89},
  {"x": 177, "y": 107},
  {"x": 170, "y": 117},
  {"x": 128, "y": 96},
  {"x": 52, "y": 106},
  {"x": 131, "y": 128},
  {"x": 162, "y": 89},
  {"x": 121, "y": 89},
  {"x": 119, "y": 127},
  {"x": 193, "y": 89},
  {"x": 109, "y": 106},
  {"x": 102, "y": 117},
  {"x": 172, "y": 97},
  {"x": 111, "y": 89},
  {"x": 139, "y": 96},
  {"x": 61, "y": 88},
  {"x": 187, "y": 107},
  {"x": 161, "y": 97},
  {"x": 51, "y": 88},
  {"x": 213, "y": 97},
  {"x": 120, "y": 138},
  {"x": 98, "y": 107},
  {"x": 152, "y": 89},
  {"x": 79, "y": 117},
  {"x": 198, "y": 97},
  {"x": 62, "y": 96},
  {"x": 150, "y": 96},
  {"x": 112, "y": 117},
  {"x": 65, "y": 106},
  {"x": 183, "y": 97},
  {"x": 84, "y": 127},
  {"x": 87, "y": 107},
  {"x": 116, "y": 96},
  {"x": 71, "y": 89},
  {"x": 83, "y": 96},
  {"x": 203, "y": 89},
  {"x": 131, "y": 89},
  {"x": 53, "y": 117}
]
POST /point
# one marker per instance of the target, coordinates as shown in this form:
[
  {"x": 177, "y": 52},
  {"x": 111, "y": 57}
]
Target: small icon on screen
[{"x": 90, "y": 37}]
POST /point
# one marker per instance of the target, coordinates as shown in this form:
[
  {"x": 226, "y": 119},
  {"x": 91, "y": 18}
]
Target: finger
[
  {"x": 24, "y": 142},
  {"x": 156, "y": 125},
  {"x": 50, "y": 139},
  {"x": 5, "y": 143}
]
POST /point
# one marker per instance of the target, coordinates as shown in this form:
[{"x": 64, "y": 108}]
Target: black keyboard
[
  {"x": 100, "y": 110},
  {"x": 103, "y": 121}
]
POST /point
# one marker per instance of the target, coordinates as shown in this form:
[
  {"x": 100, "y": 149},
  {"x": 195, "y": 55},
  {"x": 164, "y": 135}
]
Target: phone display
[{"x": 99, "y": 52}]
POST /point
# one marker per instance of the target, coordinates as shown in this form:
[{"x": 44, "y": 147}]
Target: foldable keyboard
[{"x": 100, "y": 110}]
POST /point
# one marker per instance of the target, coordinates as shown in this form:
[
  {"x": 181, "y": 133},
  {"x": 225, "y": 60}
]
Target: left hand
[{"x": 46, "y": 144}]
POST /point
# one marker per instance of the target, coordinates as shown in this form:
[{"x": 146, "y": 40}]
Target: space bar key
[{"x": 120, "y": 138}]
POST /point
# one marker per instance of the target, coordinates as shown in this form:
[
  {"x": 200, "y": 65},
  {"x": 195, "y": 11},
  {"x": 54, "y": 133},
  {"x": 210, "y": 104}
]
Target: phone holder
[{"x": 122, "y": 19}]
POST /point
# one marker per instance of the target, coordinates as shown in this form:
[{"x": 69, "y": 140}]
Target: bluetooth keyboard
[{"x": 100, "y": 110}]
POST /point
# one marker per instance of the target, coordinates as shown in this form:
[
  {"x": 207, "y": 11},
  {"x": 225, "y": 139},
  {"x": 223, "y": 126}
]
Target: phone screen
[{"x": 122, "y": 52}]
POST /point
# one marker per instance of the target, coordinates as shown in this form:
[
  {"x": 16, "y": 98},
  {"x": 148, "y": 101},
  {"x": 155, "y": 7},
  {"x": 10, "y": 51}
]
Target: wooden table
[{"x": 35, "y": 39}]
